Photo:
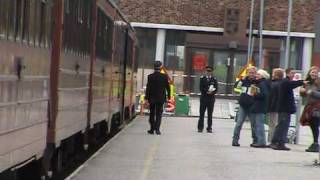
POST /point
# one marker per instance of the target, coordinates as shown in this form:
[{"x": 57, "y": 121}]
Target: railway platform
[{"x": 183, "y": 153}]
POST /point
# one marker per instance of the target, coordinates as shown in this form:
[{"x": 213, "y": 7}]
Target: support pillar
[
  {"x": 307, "y": 55},
  {"x": 160, "y": 48}
]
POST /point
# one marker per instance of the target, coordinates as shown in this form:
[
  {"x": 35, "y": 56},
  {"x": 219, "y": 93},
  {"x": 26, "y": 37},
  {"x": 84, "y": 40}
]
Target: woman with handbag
[{"x": 311, "y": 113}]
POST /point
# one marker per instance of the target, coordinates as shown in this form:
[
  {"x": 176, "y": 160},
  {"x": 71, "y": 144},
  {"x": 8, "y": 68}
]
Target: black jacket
[
  {"x": 286, "y": 97},
  {"x": 260, "y": 100},
  {"x": 205, "y": 84},
  {"x": 157, "y": 86},
  {"x": 245, "y": 100},
  {"x": 273, "y": 105}
]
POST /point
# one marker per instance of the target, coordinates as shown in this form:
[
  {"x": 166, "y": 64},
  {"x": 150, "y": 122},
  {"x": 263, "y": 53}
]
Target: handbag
[{"x": 311, "y": 110}]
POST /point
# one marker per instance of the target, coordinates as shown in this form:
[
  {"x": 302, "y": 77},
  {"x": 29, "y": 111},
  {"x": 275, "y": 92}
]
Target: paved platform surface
[
  {"x": 181, "y": 153},
  {"x": 222, "y": 107}
]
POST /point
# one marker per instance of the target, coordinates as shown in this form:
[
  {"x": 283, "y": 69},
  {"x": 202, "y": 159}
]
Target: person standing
[
  {"x": 273, "y": 105},
  {"x": 157, "y": 86},
  {"x": 208, "y": 88},
  {"x": 246, "y": 101},
  {"x": 286, "y": 108},
  {"x": 312, "y": 93},
  {"x": 260, "y": 105}
]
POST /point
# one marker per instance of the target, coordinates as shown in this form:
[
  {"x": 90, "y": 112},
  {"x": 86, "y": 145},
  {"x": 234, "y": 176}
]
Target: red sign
[{"x": 199, "y": 61}]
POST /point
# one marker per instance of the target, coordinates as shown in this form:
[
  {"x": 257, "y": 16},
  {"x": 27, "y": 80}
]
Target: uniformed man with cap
[
  {"x": 208, "y": 88},
  {"x": 157, "y": 86}
]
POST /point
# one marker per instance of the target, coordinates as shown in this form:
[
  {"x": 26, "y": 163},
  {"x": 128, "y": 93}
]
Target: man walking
[
  {"x": 157, "y": 86},
  {"x": 208, "y": 88}
]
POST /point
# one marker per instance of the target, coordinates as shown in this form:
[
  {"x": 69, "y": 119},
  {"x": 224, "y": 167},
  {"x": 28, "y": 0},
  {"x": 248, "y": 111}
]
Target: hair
[
  {"x": 277, "y": 74},
  {"x": 263, "y": 73},
  {"x": 157, "y": 65},
  {"x": 308, "y": 78},
  {"x": 288, "y": 70},
  {"x": 209, "y": 67},
  {"x": 251, "y": 67}
]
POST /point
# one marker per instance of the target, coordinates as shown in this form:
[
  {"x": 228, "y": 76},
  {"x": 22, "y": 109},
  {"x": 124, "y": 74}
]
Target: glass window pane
[
  {"x": 174, "y": 54},
  {"x": 147, "y": 39}
]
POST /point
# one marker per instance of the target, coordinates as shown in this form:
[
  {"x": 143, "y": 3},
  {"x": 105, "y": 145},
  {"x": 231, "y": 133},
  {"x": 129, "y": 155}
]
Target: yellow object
[
  {"x": 243, "y": 73},
  {"x": 172, "y": 87},
  {"x": 141, "y": 100},
  {"x": 172, "y": 91}
]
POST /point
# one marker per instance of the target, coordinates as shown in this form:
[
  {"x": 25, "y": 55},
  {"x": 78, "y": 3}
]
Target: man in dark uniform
[
  {"x": 208, "y": 88},
  {"x": 157, "y": 86}
]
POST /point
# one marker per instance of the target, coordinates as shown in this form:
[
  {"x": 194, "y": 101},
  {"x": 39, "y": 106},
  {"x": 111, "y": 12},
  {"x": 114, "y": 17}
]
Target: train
[{"x": 67, "y": 79}]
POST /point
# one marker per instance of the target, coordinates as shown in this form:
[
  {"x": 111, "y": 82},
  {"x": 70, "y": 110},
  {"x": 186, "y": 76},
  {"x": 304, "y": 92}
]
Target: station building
[{"x": 187, "y": 35}]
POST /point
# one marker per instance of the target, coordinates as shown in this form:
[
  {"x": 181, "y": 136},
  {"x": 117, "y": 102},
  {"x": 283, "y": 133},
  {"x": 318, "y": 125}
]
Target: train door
[
  {"x": 123, "y": 65},
  {"x": 118, "y": 68}
]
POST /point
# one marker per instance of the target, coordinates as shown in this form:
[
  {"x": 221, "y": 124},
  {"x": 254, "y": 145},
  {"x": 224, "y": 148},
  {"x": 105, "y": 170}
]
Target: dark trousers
[
  {"x": 156, "y": 110},
  {"x": 206, "y": 104},
  {"x": 314, "y": 125},
  {"x": 281, "y": 130}
]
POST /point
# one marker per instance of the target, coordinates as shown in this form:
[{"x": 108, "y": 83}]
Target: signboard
[{"x": 199, "y": 61}]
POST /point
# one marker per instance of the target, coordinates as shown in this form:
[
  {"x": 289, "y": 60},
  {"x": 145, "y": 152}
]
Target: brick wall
[{"x": 211, "y": 12}]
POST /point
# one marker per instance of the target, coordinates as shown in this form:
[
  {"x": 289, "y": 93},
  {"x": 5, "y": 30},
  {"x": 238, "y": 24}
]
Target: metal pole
[
  {"x": 252, "y": 47},
  {"x": 250, "y": 32},
  {"x": 286, "y": 62},
  {"x": 260, "y": 32}
]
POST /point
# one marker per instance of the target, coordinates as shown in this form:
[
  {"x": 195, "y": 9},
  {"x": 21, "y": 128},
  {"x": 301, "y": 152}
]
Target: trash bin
[{"x": 182, "y": 105}]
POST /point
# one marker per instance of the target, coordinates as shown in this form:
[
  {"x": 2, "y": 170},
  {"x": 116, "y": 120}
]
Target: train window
[
  {"x": 104, "y": 37},
  {"x": 32, "y": 22},
  {"x": 129, "y": 52},
  {"x": 27, "y": 21},
  {"x": 67, "y": 6},
  {"x": 11, "y": 12},
  {"x": 77, "y": 26},
  {"x": 25, "y": 25},
  {"x": 41, "y": 22},
  {"x": 11, "y": 20},
  {"x": 18, "y": 20},
  {"x": 3, "y": 18},
  {"x": 45, "y": 23}
]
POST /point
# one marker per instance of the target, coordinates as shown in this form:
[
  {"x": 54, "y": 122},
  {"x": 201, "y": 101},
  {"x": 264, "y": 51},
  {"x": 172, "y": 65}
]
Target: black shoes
[
  {"x": 280, "y": 147},
  {"x": 272, "y": 145},
  {"x": 235, "y": 144},
  {"x": 313, "y": 148},
  {"x": 258, "y": 145},
  {"x": 152, "y": 132},
  {"x": 208, "y": 131}
]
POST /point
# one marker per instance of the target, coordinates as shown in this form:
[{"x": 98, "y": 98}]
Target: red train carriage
[{"x": 67, "y": 78}]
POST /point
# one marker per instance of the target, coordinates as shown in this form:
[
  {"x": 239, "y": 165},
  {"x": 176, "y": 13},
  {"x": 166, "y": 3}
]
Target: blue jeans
[
  {"x": 281, "y": 131},
  {"x": 259, "y": 118},
  {"x": 242, "y": 114}
]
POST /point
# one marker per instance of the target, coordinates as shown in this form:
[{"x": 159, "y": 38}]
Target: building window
[
  {"x": 147, "y": 42},
  {"x": 174, "y": 53},
  {"x": 296, "y": 52}
]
